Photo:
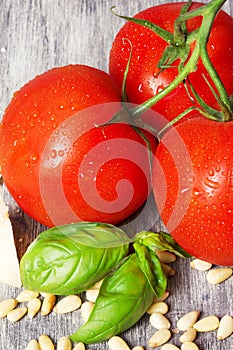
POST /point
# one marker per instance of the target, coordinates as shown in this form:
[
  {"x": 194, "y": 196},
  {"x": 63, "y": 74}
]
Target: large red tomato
[
  {"x": 57, "y": 164},
  {"x": 193, "y": 187},
  {"x": 143, "y": 80}
]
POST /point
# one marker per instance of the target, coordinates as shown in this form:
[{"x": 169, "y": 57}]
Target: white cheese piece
[{"x": 9, "y": 263}]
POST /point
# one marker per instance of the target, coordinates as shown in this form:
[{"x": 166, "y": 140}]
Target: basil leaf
[
  {"x": 72, "y": 258},
  {"x": 123, "y": 298},
  {"x": 160, "y": 241},
  {"x": 151, "y": 267}
]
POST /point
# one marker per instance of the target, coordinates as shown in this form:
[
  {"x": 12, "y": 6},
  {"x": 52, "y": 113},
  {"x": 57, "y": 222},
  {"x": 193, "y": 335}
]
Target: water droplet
[
  {"x": 53, "y": 153},
  {"x": 196, "y": 192},
  {"x": 211, "y": 172},
  {"x": 212, "y": 184},
  {"x": 184, "y": 190},
  {"x": 61, "y": 153},
  {"x": 159, "y": 89},
  {"x": 140, "y": 88},
  {"x": 34, "y": 157}
]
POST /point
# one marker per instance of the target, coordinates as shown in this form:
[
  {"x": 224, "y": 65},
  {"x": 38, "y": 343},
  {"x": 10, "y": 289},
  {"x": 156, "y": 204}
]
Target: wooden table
[{"x": 36, "y": 36}]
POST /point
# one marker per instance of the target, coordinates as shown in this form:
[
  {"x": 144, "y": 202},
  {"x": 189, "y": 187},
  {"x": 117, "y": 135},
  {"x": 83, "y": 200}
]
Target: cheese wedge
[{"x": 9, "y": 263}]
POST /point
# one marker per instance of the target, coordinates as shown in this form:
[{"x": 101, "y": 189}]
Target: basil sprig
[{"x": 70, "y": 259}]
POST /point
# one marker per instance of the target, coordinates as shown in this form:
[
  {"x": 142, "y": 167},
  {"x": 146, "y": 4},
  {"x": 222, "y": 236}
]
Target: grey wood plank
[{"x": 36, "y": 35}]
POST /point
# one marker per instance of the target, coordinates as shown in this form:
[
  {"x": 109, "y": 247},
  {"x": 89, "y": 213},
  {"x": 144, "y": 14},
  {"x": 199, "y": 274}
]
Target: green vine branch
[{"x": 179, "y": 47}]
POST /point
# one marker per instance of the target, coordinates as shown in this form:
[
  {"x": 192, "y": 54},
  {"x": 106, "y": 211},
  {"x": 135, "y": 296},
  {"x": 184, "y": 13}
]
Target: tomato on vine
[
  {"x": 59, "y": 163},
  {"x": 192, "y": 173},
  {"x": 195, "y": 198},
  {"x": 148, "y": 75}
]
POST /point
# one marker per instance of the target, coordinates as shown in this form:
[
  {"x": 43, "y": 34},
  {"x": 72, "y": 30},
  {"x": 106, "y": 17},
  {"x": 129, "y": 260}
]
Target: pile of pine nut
[{"x": 189, "y": 325}]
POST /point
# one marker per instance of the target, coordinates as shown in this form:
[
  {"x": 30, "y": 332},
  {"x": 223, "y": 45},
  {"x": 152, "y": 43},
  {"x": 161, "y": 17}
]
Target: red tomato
[
  {"x": 193, "y": 187},
  {"x": 57, "y": 164},
  {"x": 143, "y": 81}
]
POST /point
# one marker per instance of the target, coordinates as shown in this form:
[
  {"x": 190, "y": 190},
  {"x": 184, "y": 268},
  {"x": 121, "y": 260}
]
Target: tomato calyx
[{"x": 179, "y": 48}]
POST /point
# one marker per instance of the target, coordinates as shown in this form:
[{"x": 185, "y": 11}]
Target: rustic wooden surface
[{"x": 36, "y": 35}]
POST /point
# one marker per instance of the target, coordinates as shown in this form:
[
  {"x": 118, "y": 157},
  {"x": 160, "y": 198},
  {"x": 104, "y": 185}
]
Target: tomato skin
[
  {"x": 147, "y": 48},
  {"x": 195, "y": 200},
  {"x": 35, "y": 153}
]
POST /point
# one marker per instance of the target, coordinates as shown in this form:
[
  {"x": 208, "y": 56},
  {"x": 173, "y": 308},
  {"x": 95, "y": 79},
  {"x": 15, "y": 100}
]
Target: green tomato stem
[{"x": 208, "y": 12}]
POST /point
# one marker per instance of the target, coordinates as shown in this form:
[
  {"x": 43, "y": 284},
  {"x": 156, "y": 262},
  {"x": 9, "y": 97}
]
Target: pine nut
[
  {"x": 162, "y": 298},
  {"x": 45, "y": 343},
  {"x": 189, "y": 346},
  {"x": 201, "y": 265},
  {"x": 169, "y": 347},
  {"x": 117, "y": 343},
  {"x": 165, "y": 256},
  {"x": 6, "y": 306},
  {"x": 168, "y": 270},
  {"x": 16, "y": 314},
  {"x": 27, "y": 295},
  {"x": 48, "y": 304},
  {"x": 219, "y": 275},
  {"x": 86, "y": 309},
  {"x": 64, "y": 343},
  {"x": 34, "y": 306},
  {"x": 189, "y": 335},
  {"x": 79, "y": 346},
  {"x": 187, "y": 321},
  {"x": 92, "y": 294},
  {"x": 138, "y": 348},
  {"x": 159, "y": 338},
  {"x": 159, "y": 321},
  {"x": 67, "y": 304},
  {"x": 43, "y": 294},
  {"x": 225, "y": 329},
  {"x": 33, "y": 345},
  {"x": 207, "y": 324},
  {"x": 159, "y": 307},
  {"x": 97, "y": 285}
]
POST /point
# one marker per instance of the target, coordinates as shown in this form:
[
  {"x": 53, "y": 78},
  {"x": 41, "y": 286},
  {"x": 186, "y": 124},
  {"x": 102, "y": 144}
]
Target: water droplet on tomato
[
  {"x": 196, "y": 192},
  {"x": 159, "y": 89},
  {"x": 53, "y": 153},
  {"x": 61, "y": 153},
  {"x": 211, "y": 172},
  {"x": 212, "y": 184},
  {"x": 140, "y": 88},
  {"x": 34, "y": 157}
]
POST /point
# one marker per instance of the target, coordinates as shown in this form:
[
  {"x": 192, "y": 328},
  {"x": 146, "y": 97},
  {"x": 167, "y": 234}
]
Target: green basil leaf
[
  {"x": 151, "y": 267},
  {"x": 160, "y": 241},
  {"x": 123, "y": 298},
  {"x": 72, "y": 258}
]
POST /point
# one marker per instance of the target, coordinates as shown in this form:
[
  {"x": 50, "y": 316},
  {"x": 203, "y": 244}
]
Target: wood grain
[{"x": 36, "y": 35}]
